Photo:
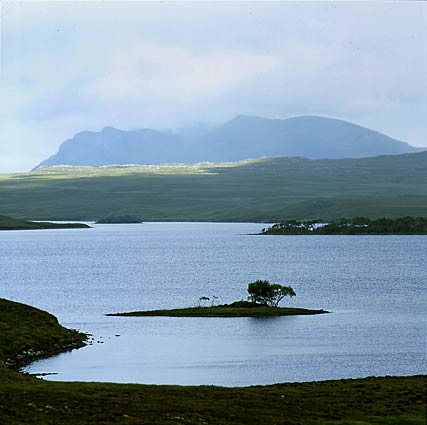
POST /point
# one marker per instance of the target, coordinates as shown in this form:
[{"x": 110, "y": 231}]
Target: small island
[
  {"x": 120, "y": 219},
  {"x": 353, "y": 226},
  {"x": 264, "y": 302},
  {"x": 9, "y": 223},
  {"x": 235, "y": 309}
]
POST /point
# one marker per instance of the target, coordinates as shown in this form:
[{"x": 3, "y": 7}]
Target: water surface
[{"x": 374, "y": 285}]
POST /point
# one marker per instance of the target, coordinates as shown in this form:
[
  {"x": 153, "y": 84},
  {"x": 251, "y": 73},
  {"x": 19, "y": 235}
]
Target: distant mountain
[
  {"x": 307, "y": 136},
  {"x": 241, "y": 138},
  {"x": 113, "y": 146}
]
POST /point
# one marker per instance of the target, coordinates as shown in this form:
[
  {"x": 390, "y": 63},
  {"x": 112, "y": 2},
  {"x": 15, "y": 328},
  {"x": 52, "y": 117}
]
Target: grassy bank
[
  {"x": 267, "y": 190},
  {"x": 28, "y": 334},
  {"x": 27, "y": 400},
  {"x": 9, "y": 223},
  {"x": 389, "y": 400}
]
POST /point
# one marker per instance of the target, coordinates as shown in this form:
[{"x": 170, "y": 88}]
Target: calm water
[{"x": 375, "y": 286}]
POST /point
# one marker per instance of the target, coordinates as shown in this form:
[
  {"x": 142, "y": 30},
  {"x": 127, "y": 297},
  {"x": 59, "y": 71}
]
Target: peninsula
[
  {"x": 354, "y": 226},
  {"x": 28, "y": 334},
  {"x": 9, "y": 223}
]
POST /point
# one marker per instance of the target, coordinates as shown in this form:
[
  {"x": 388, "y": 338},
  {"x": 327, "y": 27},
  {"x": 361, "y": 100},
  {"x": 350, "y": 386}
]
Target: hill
[
  {"x": 241, "y": 138},
  {"x": 307, "y": 136},
  {"x": 113, "y": 146},
  {"x": 269, "y": 190}
]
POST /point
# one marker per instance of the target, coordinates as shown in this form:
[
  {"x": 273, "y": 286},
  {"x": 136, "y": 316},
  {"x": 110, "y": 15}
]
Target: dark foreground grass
[
  {"x": 27, "y": 400},
  {"x": 390, "y": 400},
  {"x": 224, "y": 311}
]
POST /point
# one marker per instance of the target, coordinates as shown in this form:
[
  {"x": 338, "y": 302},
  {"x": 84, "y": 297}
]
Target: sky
[{"x": 68, "y": 66}]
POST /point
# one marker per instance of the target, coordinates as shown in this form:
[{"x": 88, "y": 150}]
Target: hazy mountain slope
[
  {"x": 307, "y": 136},
  {"x": 261, "y": 190},
  {"x": 113, "y": 146},
  {"x": 241, "y": 138}
]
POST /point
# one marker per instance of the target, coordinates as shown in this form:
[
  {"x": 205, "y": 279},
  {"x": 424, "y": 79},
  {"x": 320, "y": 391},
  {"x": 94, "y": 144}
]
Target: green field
[
  {"x": 266, "y": 190},
  {"x": 28, "y": 400}
]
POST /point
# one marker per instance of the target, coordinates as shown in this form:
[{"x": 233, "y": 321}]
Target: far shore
[{"x": 8, "y": 223}]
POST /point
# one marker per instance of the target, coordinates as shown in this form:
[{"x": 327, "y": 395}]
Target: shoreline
[
  {"x": 10, "y": 223},
  {"x": 25, "y": 399}
]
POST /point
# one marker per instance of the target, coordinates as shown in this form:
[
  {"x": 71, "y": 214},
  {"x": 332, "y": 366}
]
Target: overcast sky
[{"x": 72, "y": 66}]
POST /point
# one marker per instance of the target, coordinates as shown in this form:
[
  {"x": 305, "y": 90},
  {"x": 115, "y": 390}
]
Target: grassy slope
[
  {"x": 28, "y": 333},
  {"x": 9, "y": 223},
  {"x": 224, "y": 311},
  {"x": 263, "y": 190},
  {"x": 367, "y": 401},
  {"x": 26, "y": 400}
]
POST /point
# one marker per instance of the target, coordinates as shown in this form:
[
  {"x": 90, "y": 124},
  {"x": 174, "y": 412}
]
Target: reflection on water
[{"x": 375, "y": 286}]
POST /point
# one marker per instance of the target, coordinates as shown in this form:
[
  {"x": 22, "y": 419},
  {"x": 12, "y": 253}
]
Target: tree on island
[
  {"x": 270, "y": 294},
  {"x": 203, "y": 300}
]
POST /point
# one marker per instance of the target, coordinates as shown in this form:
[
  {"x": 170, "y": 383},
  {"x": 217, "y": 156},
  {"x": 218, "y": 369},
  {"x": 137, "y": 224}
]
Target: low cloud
[
  {"x": 72, "y": 66},
  {"x": 148, "y": 70}
]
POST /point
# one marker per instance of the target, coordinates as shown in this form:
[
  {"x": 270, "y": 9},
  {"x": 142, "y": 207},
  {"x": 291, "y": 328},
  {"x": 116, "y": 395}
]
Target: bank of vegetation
[
  {"x": 27, "y": 400},
  {"x": 353, "y": 226},
  {"x": 28, "y": 334}
]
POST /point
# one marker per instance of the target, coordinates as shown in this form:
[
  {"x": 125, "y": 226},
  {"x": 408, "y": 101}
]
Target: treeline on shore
[{"x": 353, "y": 226}]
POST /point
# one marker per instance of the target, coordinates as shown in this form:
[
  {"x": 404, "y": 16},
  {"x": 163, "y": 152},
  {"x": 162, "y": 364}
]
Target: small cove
[{"x": 374, "y": 285}]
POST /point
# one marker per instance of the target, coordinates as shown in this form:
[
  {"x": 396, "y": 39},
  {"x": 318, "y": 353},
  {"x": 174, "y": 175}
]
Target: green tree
[
  {"x": 280, "y": 292},
  {"x": 203, "y": 300},
  {"x": 266, "y": 293}
]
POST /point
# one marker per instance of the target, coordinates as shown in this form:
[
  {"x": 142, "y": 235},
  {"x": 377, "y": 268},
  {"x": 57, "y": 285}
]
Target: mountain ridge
[{"x": 242, "y": 137}]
